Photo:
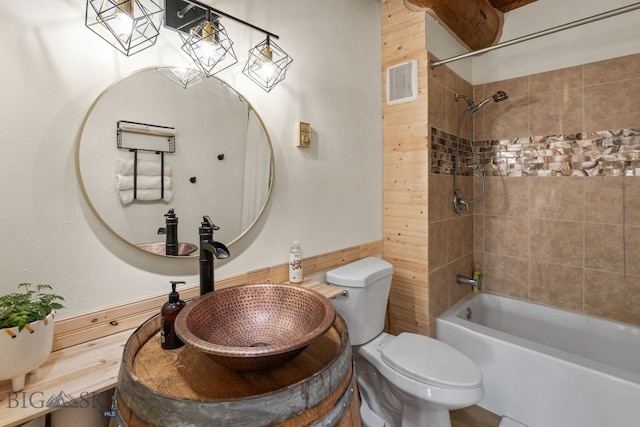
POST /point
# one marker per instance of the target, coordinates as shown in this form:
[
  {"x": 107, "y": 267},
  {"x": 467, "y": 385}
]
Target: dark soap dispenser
[{"x": 170, "y": 309}]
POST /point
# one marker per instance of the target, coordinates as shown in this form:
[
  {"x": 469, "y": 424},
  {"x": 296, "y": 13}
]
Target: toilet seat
[{"x": 430, "y": 361}]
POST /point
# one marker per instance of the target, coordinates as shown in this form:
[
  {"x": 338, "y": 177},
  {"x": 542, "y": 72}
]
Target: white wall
[
  {"x": 609, "y": 38},
  {"x": 328, "y": 196}
]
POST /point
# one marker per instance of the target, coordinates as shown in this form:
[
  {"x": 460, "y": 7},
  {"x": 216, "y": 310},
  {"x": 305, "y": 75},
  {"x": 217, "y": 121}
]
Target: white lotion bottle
[{"x": 295, "y": 264}]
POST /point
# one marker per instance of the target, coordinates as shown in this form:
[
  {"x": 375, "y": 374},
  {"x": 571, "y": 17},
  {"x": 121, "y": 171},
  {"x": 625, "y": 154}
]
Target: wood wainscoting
[{"x": 110, "y": 320}]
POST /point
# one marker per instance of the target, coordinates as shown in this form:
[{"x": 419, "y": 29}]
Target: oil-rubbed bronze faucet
[
  {"x": 171, "y": 245},
  {"x": 209, "y": 249}
]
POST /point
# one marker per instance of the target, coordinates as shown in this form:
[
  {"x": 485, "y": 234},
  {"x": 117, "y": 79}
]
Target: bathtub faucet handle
[{"x": 464, "y": 280}]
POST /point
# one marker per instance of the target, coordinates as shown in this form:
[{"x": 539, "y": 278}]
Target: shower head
[{"x": 499, "y": 96}]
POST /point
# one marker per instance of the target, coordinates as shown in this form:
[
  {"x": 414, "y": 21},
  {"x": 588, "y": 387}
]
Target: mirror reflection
[{"x": 148, "y": 146}]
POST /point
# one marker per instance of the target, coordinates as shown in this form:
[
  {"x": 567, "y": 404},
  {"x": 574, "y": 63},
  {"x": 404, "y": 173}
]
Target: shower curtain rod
[{"x": 552, "y": 30}]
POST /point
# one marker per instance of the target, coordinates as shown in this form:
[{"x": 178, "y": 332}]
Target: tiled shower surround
[
  {"x": 560, "y": 220},
  {"x": 546, "y": 230}
]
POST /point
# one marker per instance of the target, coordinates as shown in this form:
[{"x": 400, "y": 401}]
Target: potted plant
[{"x": 26, "y": 331}]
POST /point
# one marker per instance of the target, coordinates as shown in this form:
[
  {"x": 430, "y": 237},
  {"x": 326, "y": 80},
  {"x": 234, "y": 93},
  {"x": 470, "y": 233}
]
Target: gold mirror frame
[{"x": 157, "y": 222}]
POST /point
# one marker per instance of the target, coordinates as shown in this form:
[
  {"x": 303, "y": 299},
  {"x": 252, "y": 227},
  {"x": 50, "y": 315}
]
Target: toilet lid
[{"x": 431, "y": 361}]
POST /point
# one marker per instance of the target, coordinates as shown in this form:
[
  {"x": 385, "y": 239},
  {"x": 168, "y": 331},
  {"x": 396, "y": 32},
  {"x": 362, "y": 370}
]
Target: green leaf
[{"x": 21, "y": 308}]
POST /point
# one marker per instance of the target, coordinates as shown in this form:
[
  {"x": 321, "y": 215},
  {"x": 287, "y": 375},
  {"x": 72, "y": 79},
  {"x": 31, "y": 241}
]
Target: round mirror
[{"x": 148, "y": 146}]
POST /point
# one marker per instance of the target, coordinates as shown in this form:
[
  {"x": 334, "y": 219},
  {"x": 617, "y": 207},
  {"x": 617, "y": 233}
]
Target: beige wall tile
[
  {"x": 438, "y": 73},
  {"x": 515, "y": 87},
  {"x": 560, "y": 198},
  {"x": 506, "y": 119},
  {"x": 507, "y": 235},
  {"x": 558, "y": 285},
  {"x": 632, "y": 246},
  {"x": 507, "y": 196},
  {"x": 557, "y": 112},
  {"x": 478, "y": 260},
  {"x": 478, "y": 208},
  {"x": 604, "y": 247},
  {"x": 454, "y": 112},
  {"x": 559, "y": 242},
  {"x": 478, "y": 233},
  {"x": 563, "y": 79},
  {"x": 603, "y": 202},
  {"x": 440, "y": 197},
  {"x": 612, "y": 105},
  {"x": 438, "y": 241},
  {"x": 623, "y": 68},
  {"x": 462, "y": 266},
  {"x": 632, "y": 200},
  {"x": 506, "y": 275},
  {"x": 437, "y": 108},
  {"x": 460, "y": 237},
  {"x": 465, "y": 184},
  {"x": 612, "y": 295},
  {"x": 457, "y": 84},
  {"x": 440, "y": 281}
]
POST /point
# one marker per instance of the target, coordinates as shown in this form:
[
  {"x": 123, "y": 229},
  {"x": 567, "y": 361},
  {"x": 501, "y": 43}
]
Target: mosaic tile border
[{"x": 603, "y": 153}]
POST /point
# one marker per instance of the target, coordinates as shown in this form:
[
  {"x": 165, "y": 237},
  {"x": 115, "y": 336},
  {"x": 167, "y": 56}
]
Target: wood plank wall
[
  {"x": 405, "y": 198},
  {"x": 86, "y": 327}
]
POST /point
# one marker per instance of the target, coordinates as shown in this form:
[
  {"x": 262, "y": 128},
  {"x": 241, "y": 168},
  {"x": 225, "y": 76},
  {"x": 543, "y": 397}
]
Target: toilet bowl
[
  {"x": 429, "y": 378},
  {"x": 408, "y": 380}
]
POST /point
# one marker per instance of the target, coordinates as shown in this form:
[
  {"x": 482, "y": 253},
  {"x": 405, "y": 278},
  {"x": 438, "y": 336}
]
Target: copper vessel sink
[
  {"x": 255, "y": 326},
  {"x": 159, "y": 248}
]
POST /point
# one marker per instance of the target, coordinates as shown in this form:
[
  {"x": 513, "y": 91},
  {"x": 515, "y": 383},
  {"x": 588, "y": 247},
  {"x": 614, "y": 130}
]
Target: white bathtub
[{"x": 547, "y": 367}]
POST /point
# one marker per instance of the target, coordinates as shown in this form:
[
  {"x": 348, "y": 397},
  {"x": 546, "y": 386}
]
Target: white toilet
[{"x": 408, "y": 380}]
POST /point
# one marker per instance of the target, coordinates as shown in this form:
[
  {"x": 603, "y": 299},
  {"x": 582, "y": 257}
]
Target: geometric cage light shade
[
  {"x": 128, "y": 25},
  {"x": 267, "y": 64},
  {"x": 209, "y": 46}
]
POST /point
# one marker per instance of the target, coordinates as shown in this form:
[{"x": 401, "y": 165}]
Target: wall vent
[{"x": 402, "y": 82}]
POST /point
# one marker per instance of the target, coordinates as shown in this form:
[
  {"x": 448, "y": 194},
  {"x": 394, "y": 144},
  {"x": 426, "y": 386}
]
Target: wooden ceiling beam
[
  {"x": 475, "y": 23},
  {"x": 507, "y": 5}
]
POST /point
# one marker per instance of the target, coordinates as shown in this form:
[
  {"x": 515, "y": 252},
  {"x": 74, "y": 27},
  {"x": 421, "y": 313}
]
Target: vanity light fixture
[
  {"x": 182, "y": 76},
  {"x": 128, "y": 25},
  {"x": 211, "y": 49},
  {"x": 209, "y": 46},
  {"x": 267, "y": 64}
]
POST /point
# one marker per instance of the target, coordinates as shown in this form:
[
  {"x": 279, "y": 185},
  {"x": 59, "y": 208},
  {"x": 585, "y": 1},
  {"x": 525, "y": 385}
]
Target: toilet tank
[{"x": 367, "y": 282}]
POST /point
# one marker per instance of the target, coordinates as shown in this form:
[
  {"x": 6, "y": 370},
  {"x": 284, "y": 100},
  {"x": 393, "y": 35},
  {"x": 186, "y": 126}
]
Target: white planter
[{"x": 23, "y": 352}]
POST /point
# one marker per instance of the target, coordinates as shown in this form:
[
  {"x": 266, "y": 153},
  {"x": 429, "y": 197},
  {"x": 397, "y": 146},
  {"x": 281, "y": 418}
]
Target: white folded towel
[
  {"x": 126, "y": 196},
  {"x": 143, "y": 182},
  {"x": 145, "y": 167}
]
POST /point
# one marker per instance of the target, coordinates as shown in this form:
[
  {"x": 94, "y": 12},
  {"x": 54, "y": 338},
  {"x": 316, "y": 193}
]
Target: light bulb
[
  {"x": 266, "y": 67},
  {"x": 267, "y": 70},
  {"x": 122, "y": 24},
  {"x": 210, "y": 52}
]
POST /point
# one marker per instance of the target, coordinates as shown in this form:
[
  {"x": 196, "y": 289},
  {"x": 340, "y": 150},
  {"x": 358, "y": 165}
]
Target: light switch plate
[{"x": 303, "y": 134}]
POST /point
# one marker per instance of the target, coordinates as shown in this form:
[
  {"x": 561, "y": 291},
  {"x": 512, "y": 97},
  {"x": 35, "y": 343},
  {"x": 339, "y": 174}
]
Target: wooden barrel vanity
[{"x": 184, "y": 387}]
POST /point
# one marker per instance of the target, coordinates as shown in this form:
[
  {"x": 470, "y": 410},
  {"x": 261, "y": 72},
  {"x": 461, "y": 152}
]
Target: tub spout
[{"x": 464, "y": 280}]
